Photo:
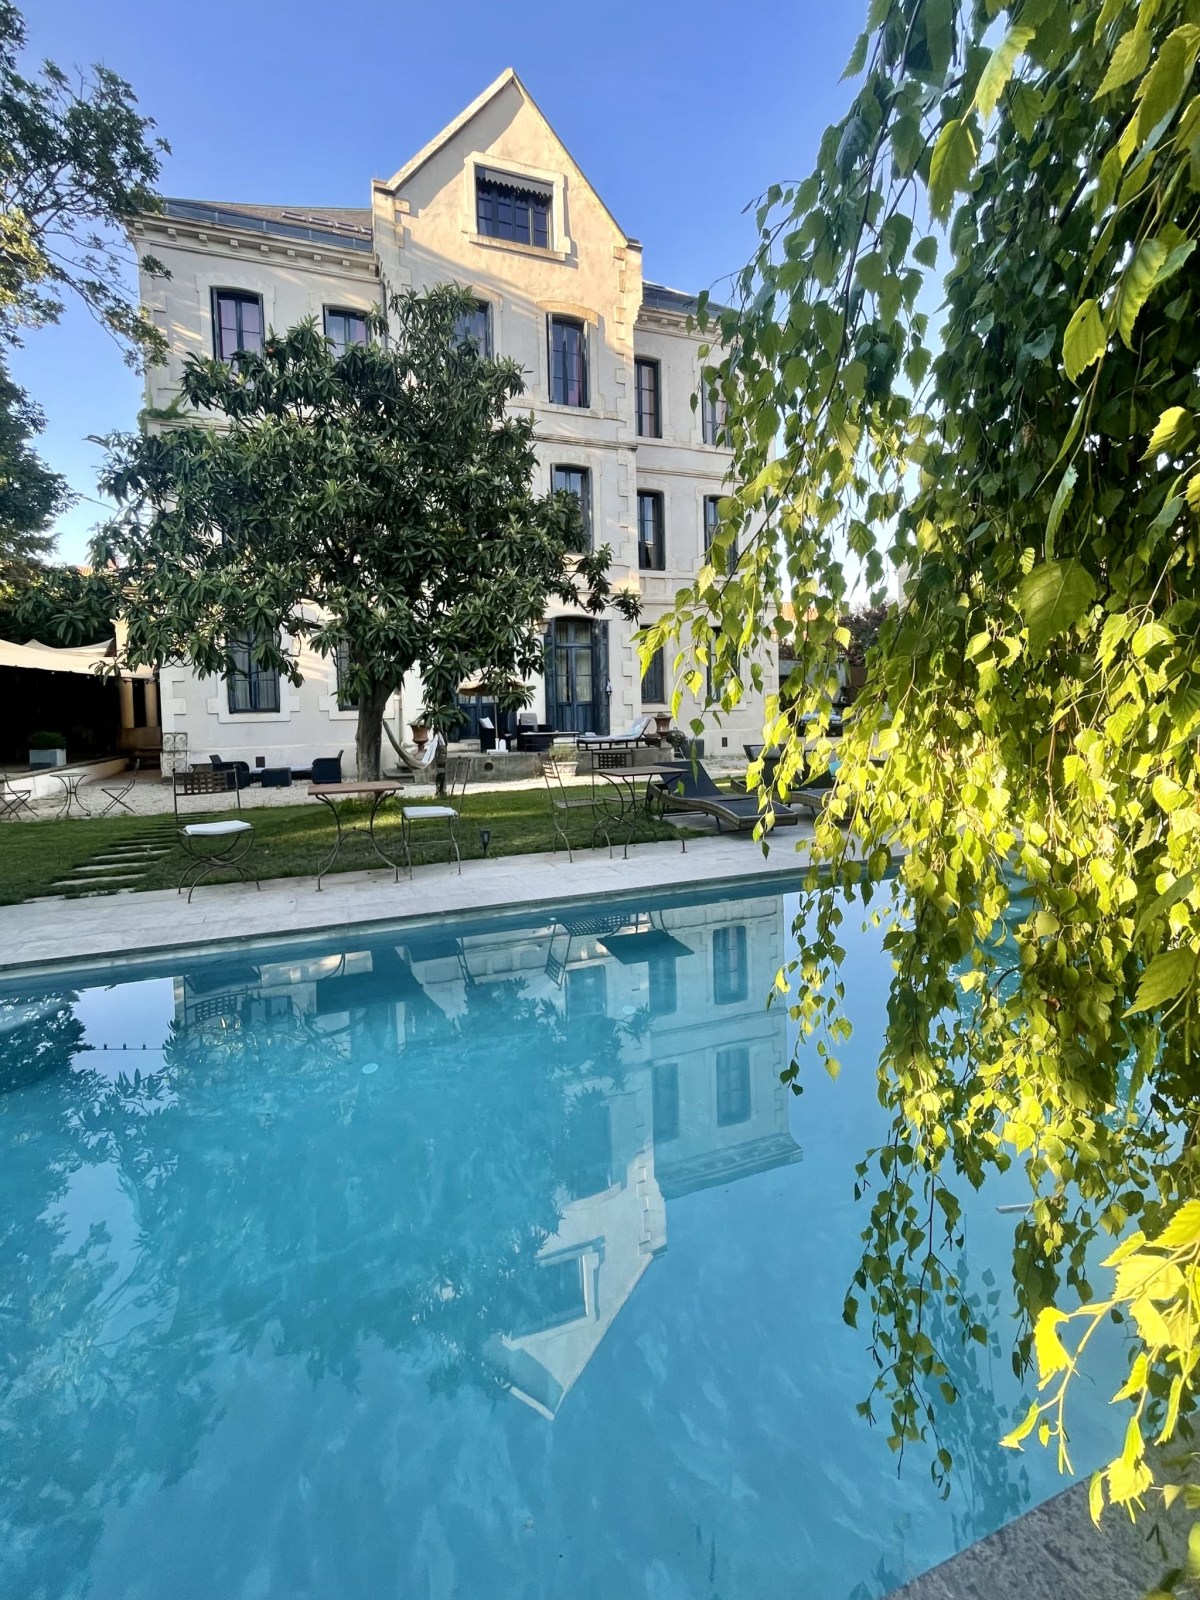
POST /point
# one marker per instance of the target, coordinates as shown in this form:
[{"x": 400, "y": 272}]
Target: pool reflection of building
[{"x": 693, "y": 1100}]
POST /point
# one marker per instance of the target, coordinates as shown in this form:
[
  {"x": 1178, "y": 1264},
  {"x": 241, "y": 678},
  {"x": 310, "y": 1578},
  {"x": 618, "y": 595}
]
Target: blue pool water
[{"x": 466, "y": 1263}]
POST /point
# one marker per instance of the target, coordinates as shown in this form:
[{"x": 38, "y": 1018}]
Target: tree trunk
[{"x": 368, "y": 737}]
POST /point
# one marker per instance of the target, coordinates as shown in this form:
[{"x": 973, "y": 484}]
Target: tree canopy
[
  {"x": 964, "y": 358},
  {"x": 76, "y": 159},
  {"x": 379, "y": 500}
]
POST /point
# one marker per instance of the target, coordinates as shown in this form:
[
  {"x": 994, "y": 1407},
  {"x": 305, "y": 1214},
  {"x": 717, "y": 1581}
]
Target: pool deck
[
  {"x": 1054, "y": 1552},
  {"x": 115, "y": 930}
]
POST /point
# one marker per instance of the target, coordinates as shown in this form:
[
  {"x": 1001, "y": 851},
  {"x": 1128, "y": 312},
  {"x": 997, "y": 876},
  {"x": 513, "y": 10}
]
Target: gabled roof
[{"x": 507, "y": 77}]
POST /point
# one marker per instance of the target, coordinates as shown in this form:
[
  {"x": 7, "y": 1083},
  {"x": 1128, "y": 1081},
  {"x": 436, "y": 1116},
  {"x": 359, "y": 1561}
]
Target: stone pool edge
[
  {"x": 114, "y": 932},
  {"x": 1054, "y": 1552}
]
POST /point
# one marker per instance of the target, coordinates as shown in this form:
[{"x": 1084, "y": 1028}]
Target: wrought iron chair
[
  {"x": 14, "y": 803},
  {"x": 117, "y": 795},
  {"x": 458, "y": 770},
  {"x": 554, "y": 774}
]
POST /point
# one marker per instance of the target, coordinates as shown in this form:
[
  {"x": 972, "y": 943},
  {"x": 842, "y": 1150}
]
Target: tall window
[
  {"x": 649, "y": 411},
  {"x": 651, "y": 549},
  {"x": 733, "y": 1086},
  {"x": 712, "y": 524},
  {"x": 714, "y": 419},
  {"x": 654, "y": 685},
  {"x": 665, "y": 1102},
  {"x": 568, "y": 362},
  {"x": 251, "y": 687},
  {"x": 576, "y": 481},
  {"x": 731, "y": 979},
  {"x": 344, "y": 328},
  {"x": 476, "y": 324},
  {"x": 513, "y": 208},
  {"x": 237, "y": 322},
  {"x": 347, "y": 699},
  {"x": 663, "y": 984}
]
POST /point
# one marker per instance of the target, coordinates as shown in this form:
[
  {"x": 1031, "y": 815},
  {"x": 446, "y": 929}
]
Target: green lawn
[{"x": 290, "y": 840}]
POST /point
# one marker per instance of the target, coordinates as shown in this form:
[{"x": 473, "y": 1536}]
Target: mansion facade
[{"x": 495, "y": 203}]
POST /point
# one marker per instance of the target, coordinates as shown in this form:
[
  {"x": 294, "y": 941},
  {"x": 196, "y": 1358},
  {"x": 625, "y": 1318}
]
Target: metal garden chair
[
  {"x": 458, "y": 769},
  {"x": 562, "y": 803},
  {"x": 117, "y": 795},
  {"x": 14, "y": 803}
]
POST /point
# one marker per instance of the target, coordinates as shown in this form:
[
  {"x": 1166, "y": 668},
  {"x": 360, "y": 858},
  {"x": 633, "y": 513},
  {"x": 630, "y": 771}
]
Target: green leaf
[
  {"x": 1128, "y": 61},
  {"x": 1173, "y": 428},
  {"x": 1053, "y": 598},
  {"x": 1179, "y": 890},
  {"x": 1137, "y": 284},
  {"x": 1167, "y": 976},
  {"x": 1062, "y": 499},
  {"x": 1084, "y": 340},
  {"x": 1162, "y": 88},
  {"x": 925, "y": 251},
  {"x": 999, "y": 69},
  {"x": 950, "y": 166}
]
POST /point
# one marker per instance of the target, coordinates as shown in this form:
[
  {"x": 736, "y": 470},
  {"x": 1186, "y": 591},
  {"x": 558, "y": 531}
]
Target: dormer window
[{"x": 511, "y": 207}]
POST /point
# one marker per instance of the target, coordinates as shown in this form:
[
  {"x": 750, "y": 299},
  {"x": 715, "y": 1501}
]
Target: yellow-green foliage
[{"x": 999, "y": 413}]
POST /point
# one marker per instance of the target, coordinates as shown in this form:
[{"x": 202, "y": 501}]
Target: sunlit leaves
[
  {"x": 1024, "y": 749},
  {"x": 1052, "y": 598},
  {"x": 994, "y": 79},
  {"x": 950, "y": 166},
  {"x": 1084, "y": 339}
]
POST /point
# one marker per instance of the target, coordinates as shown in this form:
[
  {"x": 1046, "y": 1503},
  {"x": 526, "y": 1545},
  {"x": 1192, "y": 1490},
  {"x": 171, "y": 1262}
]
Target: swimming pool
[{"x": 488, "y": 1259}]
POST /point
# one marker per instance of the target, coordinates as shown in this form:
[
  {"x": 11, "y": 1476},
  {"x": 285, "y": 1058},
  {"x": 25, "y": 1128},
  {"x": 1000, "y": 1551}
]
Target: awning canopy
[{"x": 88, "y": 659}]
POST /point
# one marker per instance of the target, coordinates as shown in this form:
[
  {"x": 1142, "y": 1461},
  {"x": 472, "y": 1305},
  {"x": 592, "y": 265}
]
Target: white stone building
[{"x": 495, "y": 202}]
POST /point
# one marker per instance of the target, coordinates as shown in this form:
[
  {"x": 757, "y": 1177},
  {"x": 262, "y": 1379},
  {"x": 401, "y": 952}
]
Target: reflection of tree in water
[
  {"x": 37, "y": 1038},
  {"x": 281, "y": 1199}
]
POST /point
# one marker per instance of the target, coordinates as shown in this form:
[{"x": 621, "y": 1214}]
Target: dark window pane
[
  {"x": 731, "y": 979},
  {"x": 713, "y": 412},
  {"x": 576, "y": 481},
  {"x": 251, "y": 687},
  {"x": 568, "y": 362},
  {"x": 589, "y": 1146},
  {"x": 651, "y": 552},
  {"x": 239, "y": 323},
  {"x": 654, "y": 681},
  {"x": 344, "y": 328},
  {"x": 649, "y": 421},
  {"x": 347, "y": 700},
  {"x": 664, "y": 987},
  {"x": 733, "y": 1086},
  {"x": 476, "y": 325},
  {"x": 665, "y": 1087},
  {"x": 511, "y": 211}
]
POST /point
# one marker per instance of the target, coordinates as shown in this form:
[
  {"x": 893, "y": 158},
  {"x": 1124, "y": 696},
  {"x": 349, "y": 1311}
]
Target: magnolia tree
[
  {"x": 379, "y": 501},
  {"x": 966, "y": 352}
]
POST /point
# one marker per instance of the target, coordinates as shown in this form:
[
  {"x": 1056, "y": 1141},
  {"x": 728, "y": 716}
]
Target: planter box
[{"x": 47, "y": 758}]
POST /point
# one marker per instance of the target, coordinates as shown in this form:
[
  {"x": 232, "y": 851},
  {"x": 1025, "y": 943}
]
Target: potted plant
[
  {"x": 420, "y": 733},
  {"x": 47, "y": 750},
  {"x": 662, "y": 721}
]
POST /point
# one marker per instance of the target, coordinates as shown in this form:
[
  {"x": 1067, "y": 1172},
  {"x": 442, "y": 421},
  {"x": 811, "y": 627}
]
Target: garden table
[
  {"x": 625, "y": 781},
  {"x": 71, "y": 795},
  {"x": 334, "y": 796}
]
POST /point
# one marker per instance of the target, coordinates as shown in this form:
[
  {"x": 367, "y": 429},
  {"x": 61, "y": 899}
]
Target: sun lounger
[{"x": 694, "y": 790}]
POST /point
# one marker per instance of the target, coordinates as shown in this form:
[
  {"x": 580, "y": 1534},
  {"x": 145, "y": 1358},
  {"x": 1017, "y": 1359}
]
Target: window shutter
[
  {"x": 600, "y": 678},
  {"x": 549, "y": 675}
]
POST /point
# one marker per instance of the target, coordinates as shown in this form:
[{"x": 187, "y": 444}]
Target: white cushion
[
  {"x": 210, "y": 829},
  {"x": 415, "y": 813}
]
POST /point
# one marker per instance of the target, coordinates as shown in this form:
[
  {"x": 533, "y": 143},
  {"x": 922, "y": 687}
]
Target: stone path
[{"x": 117, "y": 866}]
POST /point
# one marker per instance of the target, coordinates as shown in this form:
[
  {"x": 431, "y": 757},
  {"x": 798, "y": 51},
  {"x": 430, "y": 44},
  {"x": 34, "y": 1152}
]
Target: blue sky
[{"x": 678, "y": 113}]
